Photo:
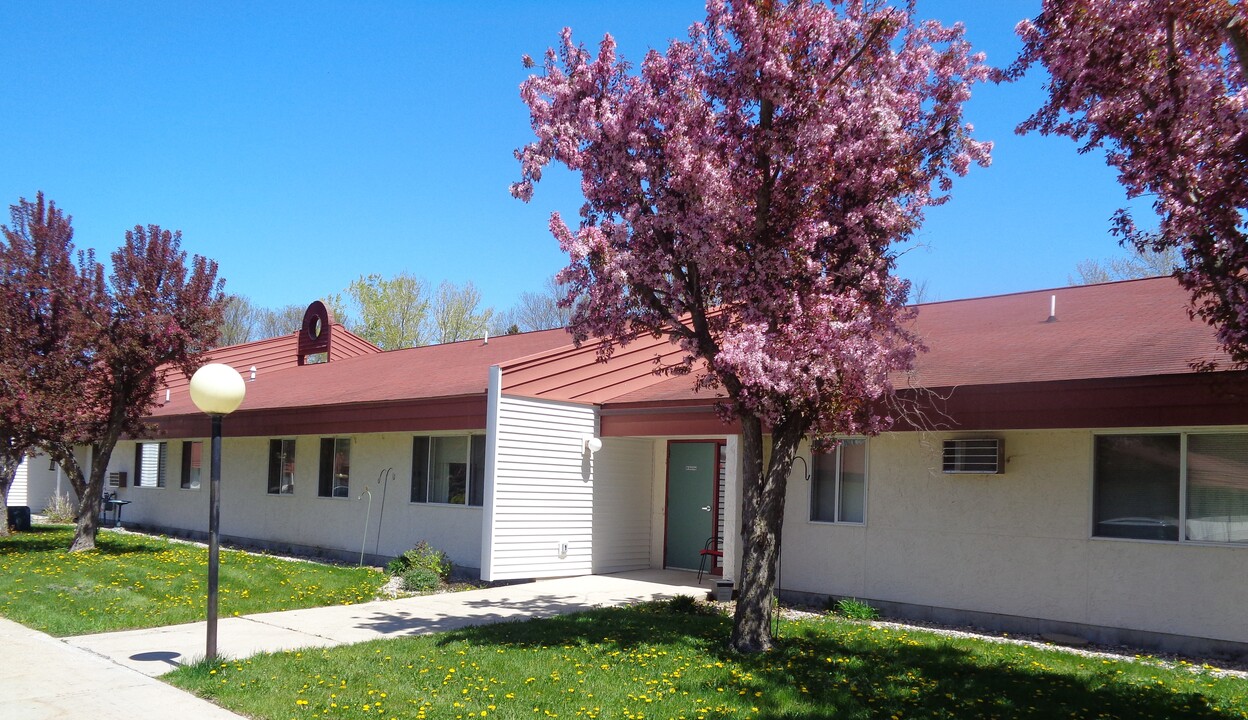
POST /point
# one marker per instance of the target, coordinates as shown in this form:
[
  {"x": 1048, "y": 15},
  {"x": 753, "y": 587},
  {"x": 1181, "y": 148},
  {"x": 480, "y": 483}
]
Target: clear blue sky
[{"x": 303, "y": 144}]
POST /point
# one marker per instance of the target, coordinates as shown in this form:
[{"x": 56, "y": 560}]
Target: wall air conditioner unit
[
  {"x": 979, "y": 456},
  {"x": 117, "y": 479}
]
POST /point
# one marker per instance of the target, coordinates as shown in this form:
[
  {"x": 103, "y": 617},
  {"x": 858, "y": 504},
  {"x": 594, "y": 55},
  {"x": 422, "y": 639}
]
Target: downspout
[
  {"x": 732, "y": 508},
  {"x": 493, "y": 398}
]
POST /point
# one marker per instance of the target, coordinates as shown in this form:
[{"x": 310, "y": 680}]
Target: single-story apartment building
[{"x": 1070, "y": 464}]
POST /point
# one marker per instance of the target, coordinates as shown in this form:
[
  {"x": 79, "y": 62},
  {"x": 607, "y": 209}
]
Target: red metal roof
[
  {"x": 1134, "y": 328},
  {"x": 272, "y": 354},
  {"x": 1122, "y": 329},
  {"x": 574, "y": 374},
  {"x": 1131, "y": 329},
  {"x": 433, "y": 371}
]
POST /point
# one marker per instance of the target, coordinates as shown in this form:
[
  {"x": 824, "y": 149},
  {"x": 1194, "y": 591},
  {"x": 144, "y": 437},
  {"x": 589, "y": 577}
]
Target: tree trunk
[
  {"x": 8, "y": 470},
  {"x": 88, "y": 517},
  {"x": 1235, "y": 35},
  {"x": 90, "y": 493},
  {"x": 762, "y": 515}
]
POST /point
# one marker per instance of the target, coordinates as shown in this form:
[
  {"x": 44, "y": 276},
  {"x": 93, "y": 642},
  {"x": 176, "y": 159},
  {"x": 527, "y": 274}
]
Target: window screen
[
  {"x": 149, "y": 464},
  {"x": 192, "y": 463},
  {"x": 335, "y": 475},
  {"x": 1217, "y": 488},
  {"x": 838, "y": 483},
  {"x": 281, "y": 467},
  {"x": 1137, "y": 487}
]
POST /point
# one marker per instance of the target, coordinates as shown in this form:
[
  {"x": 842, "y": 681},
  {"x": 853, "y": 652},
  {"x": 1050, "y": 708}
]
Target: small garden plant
[
  {"x": 61, "y": 509},
  {"x": 423, "y": 568},
  {"x": 855, "y": 609},
  {"x": 419, "y": 579}
]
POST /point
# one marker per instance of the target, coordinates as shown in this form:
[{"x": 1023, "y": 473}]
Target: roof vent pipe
[
  {"x": 487, "y": 338},
  {"x": 1052, "y": 309},
  {"x": 253, "y": 373}
]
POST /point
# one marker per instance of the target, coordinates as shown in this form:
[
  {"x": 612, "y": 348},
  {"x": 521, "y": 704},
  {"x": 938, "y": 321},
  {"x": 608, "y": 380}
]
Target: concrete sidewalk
[
  {"x": 46, "y": 679},
  {"x": 158, "y": 650}
]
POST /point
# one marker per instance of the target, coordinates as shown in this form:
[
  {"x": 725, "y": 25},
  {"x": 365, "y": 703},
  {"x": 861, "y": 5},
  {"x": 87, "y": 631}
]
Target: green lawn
[
  {"x": 668, "y": 661},
  {"x": 138, "y": 581}
]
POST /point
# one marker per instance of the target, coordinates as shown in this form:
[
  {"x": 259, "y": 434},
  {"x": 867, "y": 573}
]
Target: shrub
[
  {"x": 684, "y": 605},
  {"x": 856, "y": 609},
  {"x": 423, "y": 556},
  {"x": 419, "y": 579},
  {"x": 61, "y": 509}
]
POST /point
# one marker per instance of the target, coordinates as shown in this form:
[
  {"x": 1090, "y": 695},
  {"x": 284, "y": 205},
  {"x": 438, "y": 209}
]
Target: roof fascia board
[
  {"x": 464, "y": 412},
  {"x": 1193, "y": 399}
]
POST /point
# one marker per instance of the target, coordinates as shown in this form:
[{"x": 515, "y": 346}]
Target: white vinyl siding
[
  {"x": 623, "y": 475},
  {"x": 17, "y": 491},
  {"x": 542, "y": 494}
]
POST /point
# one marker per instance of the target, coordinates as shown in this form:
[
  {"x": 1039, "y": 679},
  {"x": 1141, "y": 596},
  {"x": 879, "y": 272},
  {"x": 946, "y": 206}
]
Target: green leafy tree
[
  {"x": 550, "y": 308},
  {"x": 280, "y": 321},
  {"x": 1142, "y": 262},
  {"x": 393, "y": 312},
  {"x": 240, "y": 321},
  {"x": 456, "y": 313}
]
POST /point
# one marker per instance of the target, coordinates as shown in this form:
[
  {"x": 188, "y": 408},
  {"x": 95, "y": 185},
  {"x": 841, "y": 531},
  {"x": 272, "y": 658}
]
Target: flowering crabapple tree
[
  {"x": 44, "y": 357},
  {"x": 88, "y": 355},
  {"x": 157, "y": 314},
  {"x": 1162, "y": 86},
  {"x": 743, "y": 194}
]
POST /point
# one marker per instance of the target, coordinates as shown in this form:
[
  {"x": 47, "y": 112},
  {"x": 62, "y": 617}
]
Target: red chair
[{"x": 709, "y": 550}]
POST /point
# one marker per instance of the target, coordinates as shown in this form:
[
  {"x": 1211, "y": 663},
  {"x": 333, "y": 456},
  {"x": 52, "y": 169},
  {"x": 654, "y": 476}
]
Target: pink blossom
[{"x": 744, "y": 193}]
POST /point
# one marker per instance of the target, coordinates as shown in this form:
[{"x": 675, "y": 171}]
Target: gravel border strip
[{"x": 1212, "y": 667}]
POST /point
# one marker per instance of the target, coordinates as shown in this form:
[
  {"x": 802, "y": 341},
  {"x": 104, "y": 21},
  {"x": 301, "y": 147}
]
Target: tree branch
[
  {"x": 1239, "y": 43},
  {"x": 762, "y": 161},
  {"x": 875, "y": 32}
]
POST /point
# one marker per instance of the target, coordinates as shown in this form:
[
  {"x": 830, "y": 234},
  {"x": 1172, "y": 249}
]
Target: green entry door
[{"x": 690, "y": 501}]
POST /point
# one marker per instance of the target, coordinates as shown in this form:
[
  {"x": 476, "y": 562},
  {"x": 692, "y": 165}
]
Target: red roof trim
[
  {"x": 446, "y": 413},
  {"x": 664, "y": 420},
  {"x": 1192, "y": 400},
  {"x": 575, "y": 374},
  {"x": 1196, "y": 399}
]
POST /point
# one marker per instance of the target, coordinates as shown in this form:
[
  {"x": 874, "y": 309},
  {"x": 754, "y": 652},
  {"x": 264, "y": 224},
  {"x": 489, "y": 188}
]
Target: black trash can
[{"x": 19, "y": 518}]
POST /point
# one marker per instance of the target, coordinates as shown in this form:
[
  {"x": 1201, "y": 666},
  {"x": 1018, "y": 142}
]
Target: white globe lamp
[{"x": 217, "y": 390}]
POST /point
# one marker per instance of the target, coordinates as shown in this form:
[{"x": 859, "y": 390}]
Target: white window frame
[
  {"x": 334, "y": 473},
  {"x": 1184, "y": 434},
  {"x": 184, "y": 464},
  {"x": 162, "y": 463},
  {"x": 268, "y": 467},
  {"x": 468, "y": 471},
  {"x": 836, "y": 489}
]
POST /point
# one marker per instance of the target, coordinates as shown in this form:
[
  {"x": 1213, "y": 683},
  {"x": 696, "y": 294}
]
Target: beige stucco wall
[
  {"x": 1014, "y": 544},
  {"x": 303, "y": 518}
]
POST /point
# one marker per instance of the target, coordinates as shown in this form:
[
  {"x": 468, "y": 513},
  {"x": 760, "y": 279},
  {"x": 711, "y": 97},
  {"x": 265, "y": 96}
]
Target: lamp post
[{"x": 217, "y": 390}]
